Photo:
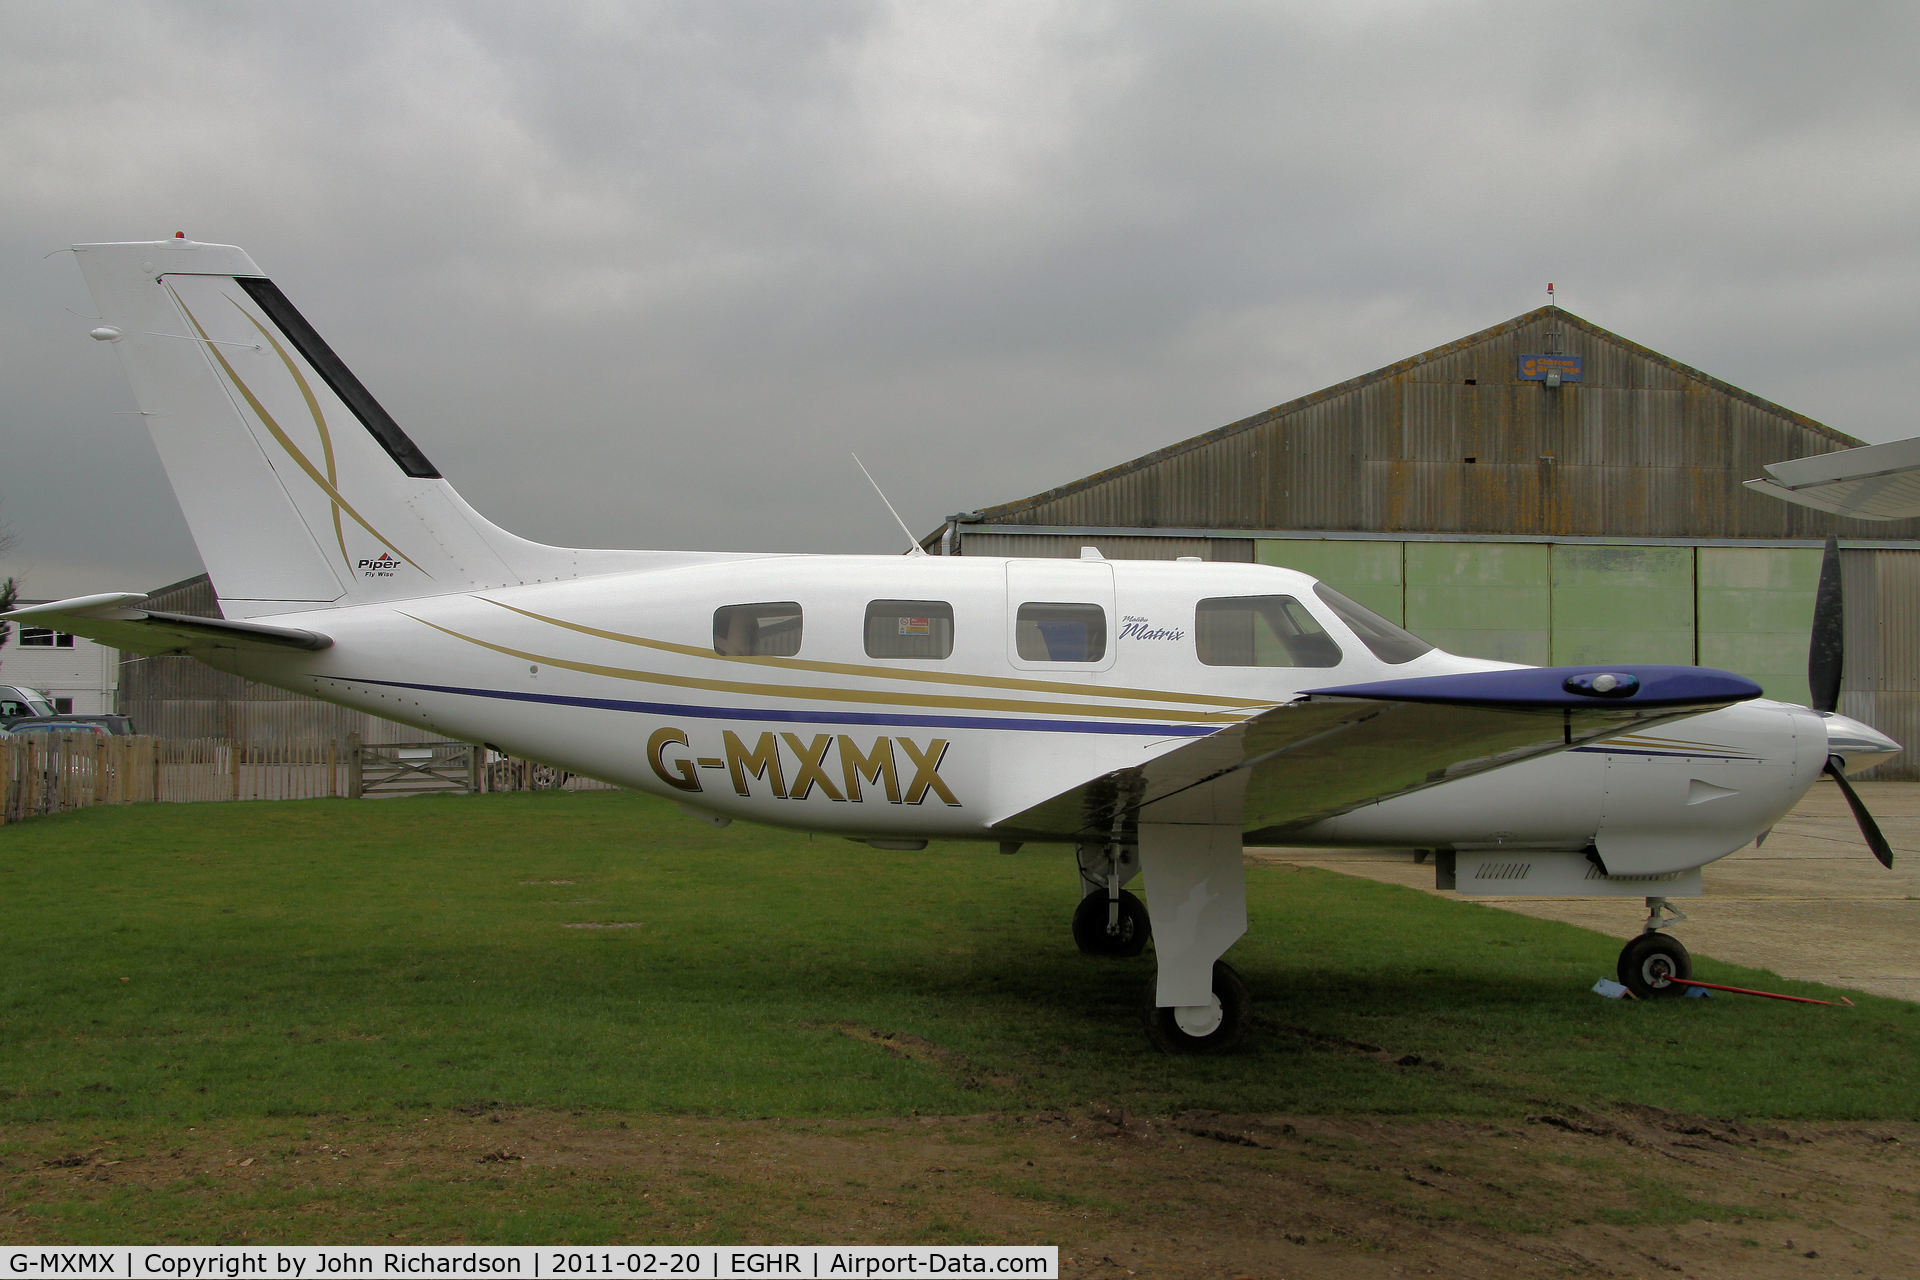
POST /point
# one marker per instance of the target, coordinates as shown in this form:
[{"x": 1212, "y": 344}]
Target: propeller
[
  {"x": 1868, "y": 827},
  {"x": 1826, "y": 655},
  {"x": 1826, "y": 659}
]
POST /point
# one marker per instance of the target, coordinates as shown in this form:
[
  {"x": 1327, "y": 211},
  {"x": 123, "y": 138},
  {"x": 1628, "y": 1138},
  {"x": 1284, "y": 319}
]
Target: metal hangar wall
[{"x": 1542, "y": 491}]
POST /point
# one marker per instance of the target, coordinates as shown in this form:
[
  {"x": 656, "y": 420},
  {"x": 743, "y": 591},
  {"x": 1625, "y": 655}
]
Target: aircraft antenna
[{"x": 913, "y": 544}]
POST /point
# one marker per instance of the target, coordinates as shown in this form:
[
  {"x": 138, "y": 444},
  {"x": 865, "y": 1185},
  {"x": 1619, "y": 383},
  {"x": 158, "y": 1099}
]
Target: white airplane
[{"x": 1155, "y": 716}]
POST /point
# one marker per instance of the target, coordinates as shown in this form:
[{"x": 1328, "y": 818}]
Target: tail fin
[{"x": 300, "y": 491}]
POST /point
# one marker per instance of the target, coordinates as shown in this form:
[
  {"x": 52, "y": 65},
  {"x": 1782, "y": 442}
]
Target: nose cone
[{"x": 1859, "y": 746}]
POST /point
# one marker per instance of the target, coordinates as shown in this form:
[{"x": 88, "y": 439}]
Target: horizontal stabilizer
[{"x": 117, "y": 619}]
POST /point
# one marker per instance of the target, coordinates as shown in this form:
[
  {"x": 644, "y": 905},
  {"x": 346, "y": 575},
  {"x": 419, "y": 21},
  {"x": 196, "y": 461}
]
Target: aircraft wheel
[
  {"x": 1126, "y": 938},
  {"x": 544, "y": 777},
  {"x": 1215, "y": 1030},
  {"x": 1650, "y": 962}
]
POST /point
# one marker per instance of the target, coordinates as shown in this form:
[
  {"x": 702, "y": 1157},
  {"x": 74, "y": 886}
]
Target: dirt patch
[{"x": 1630, "y": 1191}]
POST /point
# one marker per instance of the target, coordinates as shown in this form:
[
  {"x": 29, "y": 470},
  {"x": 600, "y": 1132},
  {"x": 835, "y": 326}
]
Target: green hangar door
[
  {"x": 1745, "y": 609},
  {"x": 1756, "y": 614}
]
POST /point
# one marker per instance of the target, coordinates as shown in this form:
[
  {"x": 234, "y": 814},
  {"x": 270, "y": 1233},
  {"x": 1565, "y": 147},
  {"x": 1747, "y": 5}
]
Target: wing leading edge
[{"x": 1335, "y": 749}]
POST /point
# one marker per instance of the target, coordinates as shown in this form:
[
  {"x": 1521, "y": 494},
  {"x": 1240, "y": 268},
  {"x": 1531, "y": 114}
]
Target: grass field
[
  {"x": 182, "y": 962},
  {"x": 245, "y": 968}
]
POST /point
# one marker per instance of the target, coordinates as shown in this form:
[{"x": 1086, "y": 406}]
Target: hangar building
[{"x": 1542, "y": 491}]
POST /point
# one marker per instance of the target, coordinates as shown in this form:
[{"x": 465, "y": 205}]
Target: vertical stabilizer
[{"x": 300, "y": 491}]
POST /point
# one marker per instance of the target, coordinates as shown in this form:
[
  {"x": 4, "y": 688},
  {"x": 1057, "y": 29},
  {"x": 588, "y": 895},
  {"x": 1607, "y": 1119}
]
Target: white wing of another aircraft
[
  {"x": 1156, "y": 717},
  {"x": 1873, "y": 482}
]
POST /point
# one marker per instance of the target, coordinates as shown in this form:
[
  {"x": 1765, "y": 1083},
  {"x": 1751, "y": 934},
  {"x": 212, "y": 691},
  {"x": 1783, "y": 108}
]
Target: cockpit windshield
[{"x": 1389, "y": 643}]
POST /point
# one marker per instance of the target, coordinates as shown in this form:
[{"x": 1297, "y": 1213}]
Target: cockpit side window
[
  {"x": 1390, "y": 643},
  {"x": 1261, "y": 631},
  {"x": 1046, "y": 632}
]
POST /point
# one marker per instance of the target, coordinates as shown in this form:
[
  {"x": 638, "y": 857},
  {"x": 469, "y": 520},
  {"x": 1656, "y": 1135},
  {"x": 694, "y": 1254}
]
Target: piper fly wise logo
[{"x": 381, "y": 568}]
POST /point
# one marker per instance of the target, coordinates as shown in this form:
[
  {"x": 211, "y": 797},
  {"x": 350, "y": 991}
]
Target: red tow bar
[{"x": 1749, "y": 991}]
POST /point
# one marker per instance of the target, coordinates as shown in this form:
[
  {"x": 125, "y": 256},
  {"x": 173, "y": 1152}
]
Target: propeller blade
[
  {"x": 1868, "y": 827},
  {"x": 1826, "y": 653}
]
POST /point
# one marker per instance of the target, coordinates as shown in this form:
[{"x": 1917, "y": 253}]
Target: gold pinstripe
[
  {"x": 293, "y": 451},
  {"x": 891, "y": 673},
  {"x": 874, "y": 697},
  {"x": 319, "y": 421},
  {"x": 1682, "y": 745}
]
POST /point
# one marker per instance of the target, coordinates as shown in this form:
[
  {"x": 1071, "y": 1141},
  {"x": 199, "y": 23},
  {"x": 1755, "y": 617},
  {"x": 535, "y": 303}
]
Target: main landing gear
[
  {"x": 1197, "y": 887},
  {"x": 1650, "y": 963},
  {"x": 1214, "y": 1027}
]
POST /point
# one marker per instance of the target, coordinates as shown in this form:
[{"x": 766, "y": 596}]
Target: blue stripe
[
  {"x": 1662, "y": 755},
  {"x": 884, "y": 720}
]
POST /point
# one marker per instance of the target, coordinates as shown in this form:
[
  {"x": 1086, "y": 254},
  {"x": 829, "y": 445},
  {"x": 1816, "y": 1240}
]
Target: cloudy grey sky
[{"x": 644, "y": 274}]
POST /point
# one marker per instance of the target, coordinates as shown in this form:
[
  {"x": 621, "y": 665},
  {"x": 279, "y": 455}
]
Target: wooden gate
[{"x": 411, "y": 768}]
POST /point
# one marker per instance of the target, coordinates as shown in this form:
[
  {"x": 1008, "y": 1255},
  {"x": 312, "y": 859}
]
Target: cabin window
[
  {"x": 1261, "y": 631},
  {"x": 909, "y": 629},
  {"x": 1061, "y": 633},
  {"x": 757, "y": 630},
  {"x": 1390, "y": 643}
]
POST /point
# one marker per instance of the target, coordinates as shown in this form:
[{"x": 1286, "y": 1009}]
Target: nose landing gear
[
  {"x": 1109, "y": 921},
  {"x": 1650, "y": 963},
  {"x": 1111, "y": 926}
]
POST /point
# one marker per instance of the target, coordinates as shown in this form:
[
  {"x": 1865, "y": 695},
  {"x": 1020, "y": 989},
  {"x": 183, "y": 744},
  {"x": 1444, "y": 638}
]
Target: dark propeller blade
[
  {"x": 1827, "y": 653},
  {"x": 1826, "y": 657},
  {"x": 1868, "y": 827}
]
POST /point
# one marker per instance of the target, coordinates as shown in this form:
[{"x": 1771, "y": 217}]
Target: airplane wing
[
  {"x": 1335, "y": 749},
  {"x": 1873, "y": 482},
  {"x": 116, "y": 619}
]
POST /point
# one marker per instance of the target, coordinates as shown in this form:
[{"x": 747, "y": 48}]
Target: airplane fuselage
[{"x": 893, "y": 696}]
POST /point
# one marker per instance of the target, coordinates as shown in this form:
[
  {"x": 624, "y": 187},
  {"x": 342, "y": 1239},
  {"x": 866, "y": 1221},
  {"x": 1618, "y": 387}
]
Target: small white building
[{"x": 74, "y": 672}]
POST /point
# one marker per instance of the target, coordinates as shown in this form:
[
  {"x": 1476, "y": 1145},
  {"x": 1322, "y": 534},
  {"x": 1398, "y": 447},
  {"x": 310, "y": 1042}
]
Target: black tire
[
  {"x": 1650, "y": 962},
  {"x": 1128, "y": 938},
  {"x": 1236, "y": 1009}
]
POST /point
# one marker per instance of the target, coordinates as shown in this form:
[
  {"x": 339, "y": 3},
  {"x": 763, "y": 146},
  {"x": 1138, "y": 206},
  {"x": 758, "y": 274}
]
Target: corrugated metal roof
[{"x": 1452, "y": 440}]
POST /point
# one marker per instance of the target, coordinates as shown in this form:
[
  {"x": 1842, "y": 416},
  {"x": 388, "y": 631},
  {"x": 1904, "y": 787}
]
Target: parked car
[
  {"x": 17, "y": 700},
  {"x": 54, "y": 724},
  {"x": 115, "y": 724}
]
